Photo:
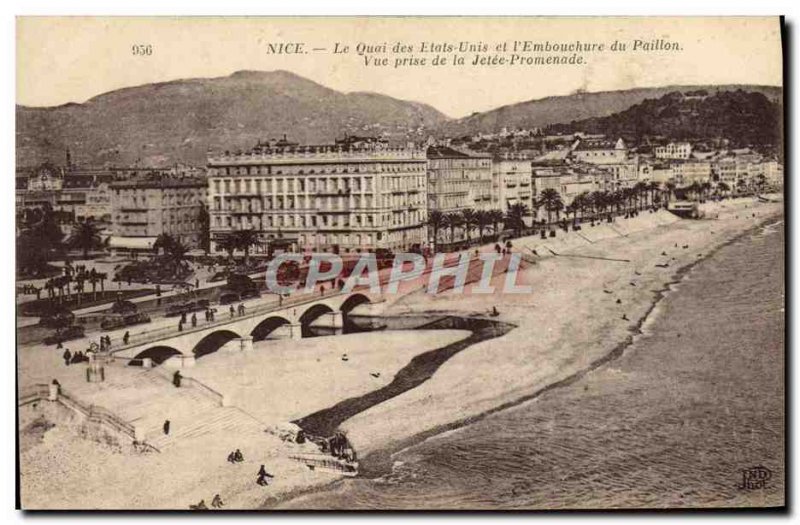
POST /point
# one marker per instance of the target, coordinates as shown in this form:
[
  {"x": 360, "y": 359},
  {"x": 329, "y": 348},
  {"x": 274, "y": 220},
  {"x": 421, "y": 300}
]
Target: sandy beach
[{"x": 591, "y": 291}]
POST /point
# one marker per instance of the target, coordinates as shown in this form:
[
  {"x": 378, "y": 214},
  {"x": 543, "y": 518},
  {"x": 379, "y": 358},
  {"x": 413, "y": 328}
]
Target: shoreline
[
  {"x": 564, "y": 330},
  {"x": 378, "y": 462}
]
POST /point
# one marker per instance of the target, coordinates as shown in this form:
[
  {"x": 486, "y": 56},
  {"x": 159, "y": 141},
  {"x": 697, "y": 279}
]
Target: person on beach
[
  {"x": 217, "y": 502},
  {"x": 126, "y": 337},
  {"x": 67, "y": 356},
  {"x": 199, "y": 506},
  {"x": 263, "y": 472},
  {"x": 176, "y": 379},
  {"x": 231, "y": 457},
  {"x": 166, "y": 427},
  {"x": 237, "y": 456}
]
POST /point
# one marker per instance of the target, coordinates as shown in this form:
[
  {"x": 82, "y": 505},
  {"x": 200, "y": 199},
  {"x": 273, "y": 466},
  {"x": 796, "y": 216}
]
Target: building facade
[
  {"x": 144, "y": 208},
  {"x": 511, "y": 183},
  {"x": 342, "y": 198},
  {"x": 458, "y": 180},
  {"x": 674, "y": 150}
]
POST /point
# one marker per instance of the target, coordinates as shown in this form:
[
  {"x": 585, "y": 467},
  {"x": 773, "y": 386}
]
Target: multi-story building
[
  {"x": 674, "y": 150},
  {"x": 568, "y": 181},
  {"x": 600, "y": 151},
  {"x": 687, "y": 172},
  {"x": 77, "y": 193},
  {"x": 458, "y": 180},
  {"x": 511, "y": 182},
  {"x": 155, "y": 204},
  {"x": 352, "y": 196}
]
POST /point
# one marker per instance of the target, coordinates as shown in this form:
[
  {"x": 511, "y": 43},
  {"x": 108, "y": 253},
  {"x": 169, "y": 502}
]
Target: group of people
[
  {"x": 29, "y": 289},
  {"x": 73, "y": 359},
  {"x": 210, "y": 314},
  {"x": 340, "y": 448},
  {"x": 184, "y": 320},
  {"x": 239, "y": 309},
  {"x": 237, "y": 457},
  {"x": 105, "y": 342},
  {"x": 215, "y": 503}
]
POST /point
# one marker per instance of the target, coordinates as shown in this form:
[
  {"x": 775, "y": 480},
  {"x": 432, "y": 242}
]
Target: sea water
[{"x": 691, "y": 409}]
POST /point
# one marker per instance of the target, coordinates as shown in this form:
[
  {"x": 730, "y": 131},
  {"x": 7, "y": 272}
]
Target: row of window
[{"x": 323, "y": 169}]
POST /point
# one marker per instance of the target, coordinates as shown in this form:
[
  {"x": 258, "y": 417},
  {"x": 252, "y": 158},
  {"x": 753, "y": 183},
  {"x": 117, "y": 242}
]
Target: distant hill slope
[
  {"x": 745, "y": 118},
  {"x": 178, "y": 121},
  {"x": 579, "y": 106}
]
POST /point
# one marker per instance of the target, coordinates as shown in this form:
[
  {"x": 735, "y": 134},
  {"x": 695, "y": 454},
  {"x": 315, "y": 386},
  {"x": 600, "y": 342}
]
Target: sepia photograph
[{"x": 400, "y": 263}]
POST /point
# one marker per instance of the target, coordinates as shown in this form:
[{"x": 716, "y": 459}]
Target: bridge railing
[{"x": 223, "y": 319}]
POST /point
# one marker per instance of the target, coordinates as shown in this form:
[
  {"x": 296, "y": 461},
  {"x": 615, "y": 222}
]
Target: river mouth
[{"x": 324, "y": 423}]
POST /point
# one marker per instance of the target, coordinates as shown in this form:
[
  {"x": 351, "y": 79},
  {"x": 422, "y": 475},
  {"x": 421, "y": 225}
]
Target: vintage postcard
[{"x": 442, "y": 263}]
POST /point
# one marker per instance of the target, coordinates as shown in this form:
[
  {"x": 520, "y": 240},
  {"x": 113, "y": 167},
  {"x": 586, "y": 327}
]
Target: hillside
[
  {"x": 179, "y": 121},
  {"x": 746, "y": 119},
  {"x": 579, "y": 106}
]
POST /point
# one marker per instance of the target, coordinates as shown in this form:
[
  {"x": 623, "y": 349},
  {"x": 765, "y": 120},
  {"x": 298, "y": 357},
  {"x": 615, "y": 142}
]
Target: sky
[{"x": 61, "y": 60}]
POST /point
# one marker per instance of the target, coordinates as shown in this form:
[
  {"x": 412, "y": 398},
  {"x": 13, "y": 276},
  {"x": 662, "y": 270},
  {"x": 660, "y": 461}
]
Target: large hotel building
[{"x": 352, "y": 196}]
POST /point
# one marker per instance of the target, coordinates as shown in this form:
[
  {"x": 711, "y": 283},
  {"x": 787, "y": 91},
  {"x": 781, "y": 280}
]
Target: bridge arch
[
  {"x": 357, "y": 299},
  {"x": 158, "y": 354},
  {"x": 313, "y": 313},
  {"x": 213, "y": 342},
  {"x": 267, "y": 326}
]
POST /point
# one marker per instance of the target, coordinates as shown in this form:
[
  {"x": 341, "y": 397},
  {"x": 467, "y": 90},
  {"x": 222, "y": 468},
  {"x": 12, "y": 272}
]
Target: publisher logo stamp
[{"x": 755, "y": 478}]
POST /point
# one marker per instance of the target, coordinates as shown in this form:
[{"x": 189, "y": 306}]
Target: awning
[{"x": 131, "y": 243}]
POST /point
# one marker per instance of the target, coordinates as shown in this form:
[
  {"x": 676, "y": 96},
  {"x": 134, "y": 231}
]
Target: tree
[
  {"x": 496, "y": 217},
  {"x": 452, "y": 221},
  {"x": 244, "y": 240},
  {"x": 468, "y": 219},
  {"x": 204, "y": 220},
  {"x": 670, "y": 188},
  {"x": 515, "y": 217},
  {"x": 164, "y": 242},
  {"x": 551, "y": 200},
  {"x": 85, "y": 236},
  {"x": 483, "y": 219},
  {"x": 435, "y": 221}
]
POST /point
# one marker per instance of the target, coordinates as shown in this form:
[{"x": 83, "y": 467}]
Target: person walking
[
  {"x": 176, "y": 379},
  {"x": 233, "y": 312},
  {"x": 194, "y": 320},
  {"x": 67, "y": 356},
  {"x": 166, "y": 427},
  {"x": 126, "y": 337}
]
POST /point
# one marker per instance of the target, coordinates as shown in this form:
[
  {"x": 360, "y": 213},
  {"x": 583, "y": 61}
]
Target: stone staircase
[
  {"x": 147, "y": 398},
  {"x": 221, "y": 423}
]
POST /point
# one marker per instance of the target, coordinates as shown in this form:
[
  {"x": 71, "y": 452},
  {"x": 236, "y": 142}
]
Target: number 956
[{"x": 141, "y": 50}]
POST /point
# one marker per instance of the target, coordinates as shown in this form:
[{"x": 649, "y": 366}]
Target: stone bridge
[{"x": 291, "y": 318}]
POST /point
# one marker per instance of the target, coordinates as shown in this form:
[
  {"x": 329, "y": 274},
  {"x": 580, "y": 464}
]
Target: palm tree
[
  {"x": 85, "y": 236},
  {"x": 435, "y": 221},
  {"x": 483, "y": 219},
  {"x": 468, "y": 219},
  {"x": 177, "y": 254},
  {"x": 515, "y": 217},
  {"x": 244, "y": 240},
  {"x": 572, "y": 208},
  {"x": 495, "y": 217},
  {"x": 227, "y": 244},
  {"x": 164, "y": 242},
  {"x": 453, "y": 221},
  {"x": 551, "y": 200}
]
